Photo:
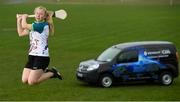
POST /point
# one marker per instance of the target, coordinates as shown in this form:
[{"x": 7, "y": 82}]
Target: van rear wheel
[
  {"x": 166, "y": 78},
  {"x": 106, "y": 80}
]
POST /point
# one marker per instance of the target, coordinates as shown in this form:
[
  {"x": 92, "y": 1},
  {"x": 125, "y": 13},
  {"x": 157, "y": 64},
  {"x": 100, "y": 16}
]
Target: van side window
[{"x": 129, "y": 56}]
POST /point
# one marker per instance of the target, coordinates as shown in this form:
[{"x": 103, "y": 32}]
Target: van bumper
[{"x": 89, "y": 76}]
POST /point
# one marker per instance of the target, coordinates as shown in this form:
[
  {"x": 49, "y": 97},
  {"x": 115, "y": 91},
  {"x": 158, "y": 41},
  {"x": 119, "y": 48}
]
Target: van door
[{"x": 127, "y": 61}]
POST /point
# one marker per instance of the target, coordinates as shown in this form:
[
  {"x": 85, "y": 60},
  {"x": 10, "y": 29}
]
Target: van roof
[{"x": 141, "y": 43}]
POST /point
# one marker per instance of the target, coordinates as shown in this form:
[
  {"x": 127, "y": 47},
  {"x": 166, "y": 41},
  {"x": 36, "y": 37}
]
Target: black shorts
[{"x": 37, "y": 62}]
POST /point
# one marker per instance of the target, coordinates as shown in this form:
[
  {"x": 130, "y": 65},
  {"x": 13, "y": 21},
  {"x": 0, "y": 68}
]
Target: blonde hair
[{"x": 48, "y": 18}]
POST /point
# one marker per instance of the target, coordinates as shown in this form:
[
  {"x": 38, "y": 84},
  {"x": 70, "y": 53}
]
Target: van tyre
[
  {"x": 166, "y": 78},
  {"x": 106, "y": 80}
]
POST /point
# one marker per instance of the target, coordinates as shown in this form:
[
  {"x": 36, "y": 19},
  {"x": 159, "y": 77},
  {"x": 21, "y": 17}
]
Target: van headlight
[{"x": 93, "y": 67}]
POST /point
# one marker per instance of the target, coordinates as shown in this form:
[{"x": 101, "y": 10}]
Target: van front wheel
[
  {"x": 106, "y": 80},
  {"x": 166, "y": 78}
]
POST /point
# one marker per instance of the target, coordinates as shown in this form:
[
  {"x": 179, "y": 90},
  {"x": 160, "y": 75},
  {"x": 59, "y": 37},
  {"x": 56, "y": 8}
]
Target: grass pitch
[{"x": 88, "y": 30}]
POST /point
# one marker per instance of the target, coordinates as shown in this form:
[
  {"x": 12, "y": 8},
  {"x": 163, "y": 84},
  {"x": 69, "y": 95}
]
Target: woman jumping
[{"x": 36, "y": 69}]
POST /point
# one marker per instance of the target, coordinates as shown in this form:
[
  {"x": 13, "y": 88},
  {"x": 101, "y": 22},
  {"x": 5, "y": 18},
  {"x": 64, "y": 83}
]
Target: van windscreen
[{"x": 108, "y": 54}]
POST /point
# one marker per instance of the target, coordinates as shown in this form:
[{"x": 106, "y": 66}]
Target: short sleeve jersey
[{"x": 39, "y": 39}]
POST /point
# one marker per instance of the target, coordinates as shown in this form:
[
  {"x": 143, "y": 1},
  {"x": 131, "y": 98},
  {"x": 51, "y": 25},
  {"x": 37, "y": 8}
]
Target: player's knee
[{"x": 25, "y": 81}]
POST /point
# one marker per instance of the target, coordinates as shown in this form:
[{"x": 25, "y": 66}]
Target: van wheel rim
[
  {"x": 107, "y": 81},
  {"x": 167, "y": 79}
]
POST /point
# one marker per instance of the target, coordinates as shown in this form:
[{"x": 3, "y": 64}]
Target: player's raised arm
[
  {"x": 20, "y": 30},
  {"x": 25, "y": 25}
]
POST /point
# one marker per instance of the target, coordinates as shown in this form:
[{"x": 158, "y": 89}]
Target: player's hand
[
  {"x": 24, "y": 15},
  {"x": 49, "y": 16},
  {"x": 18, "y": 16},
  {"x": 50, "y": 13}
]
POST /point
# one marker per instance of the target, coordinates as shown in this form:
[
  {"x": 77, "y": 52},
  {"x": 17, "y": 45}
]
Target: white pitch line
[{"x": 8, "y": 29}]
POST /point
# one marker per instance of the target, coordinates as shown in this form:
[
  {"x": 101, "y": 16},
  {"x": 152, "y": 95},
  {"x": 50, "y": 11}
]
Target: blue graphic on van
[{"x": 137, "y": 69}]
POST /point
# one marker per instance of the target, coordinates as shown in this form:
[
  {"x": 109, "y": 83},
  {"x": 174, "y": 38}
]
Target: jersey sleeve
[{"x": 46, "y": 30}]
